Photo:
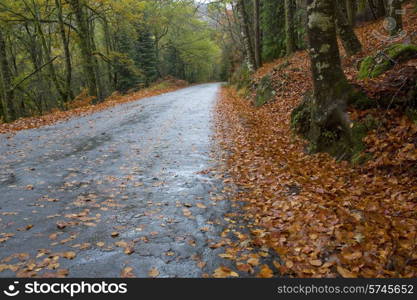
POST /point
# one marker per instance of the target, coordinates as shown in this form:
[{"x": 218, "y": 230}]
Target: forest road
[{"x": 118, "y": 188}]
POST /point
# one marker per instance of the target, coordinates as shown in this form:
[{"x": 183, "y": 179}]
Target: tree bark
[
  {"x": 331, "y": 89},
  {"x": 395, "y": 16},
  {"x": 350, "y": 41},
  {"x": 256, "y": 20},
  {"x": 9, "y": 109},
  {"x": 244, "y": 22},
  {"x": 380, "y": 8},
  {"x": 289, "y": 26}
]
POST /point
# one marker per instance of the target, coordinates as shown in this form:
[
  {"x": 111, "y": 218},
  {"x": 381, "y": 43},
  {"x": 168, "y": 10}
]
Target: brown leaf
[
  {"x": 266, "y": 272},
  {"x": 153, "y": 273}
]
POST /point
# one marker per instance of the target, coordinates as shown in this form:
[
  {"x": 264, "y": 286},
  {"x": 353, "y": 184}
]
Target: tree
[
  {"x": 345, "y": 30},
  {"x": 245, "y": 31},
  {"x": 257, "y": 33},
  {"x": 146, "y": 56},
  {"x": 85, "y": 41},
  {"x": 289, "y": 26},
  {"x": 329, "y": 125},
  {"x": 67, "y": 90},
  {"x": 8, "y": 102}
]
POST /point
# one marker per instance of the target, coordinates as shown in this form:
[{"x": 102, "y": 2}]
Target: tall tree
[
  {"x": 89, "y": 64},
  {"x": 68, "y": 94},
  {"x": 244, "y": 23},
  {"x": 9, "y": 109},
  {"x": 146, "y": 56},
  {"x": 289, "y": 26},
  {"x": 331, "y": 89},
  {"x": 257, "y": 31},
  {"x": 349, "y": 39}
]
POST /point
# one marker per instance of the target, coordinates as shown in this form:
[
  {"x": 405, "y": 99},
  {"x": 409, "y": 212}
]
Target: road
[{"x": 117, "y": 189}]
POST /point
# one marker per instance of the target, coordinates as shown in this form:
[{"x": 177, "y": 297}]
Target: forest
[
  {"x": 209, "y": 138},
  {"x": 55, "y": 51}
]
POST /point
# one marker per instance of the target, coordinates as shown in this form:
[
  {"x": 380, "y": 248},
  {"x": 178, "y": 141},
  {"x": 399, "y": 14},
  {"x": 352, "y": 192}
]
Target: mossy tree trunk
[
  {"x": 395, "y": 16},
  {"x": 349, "y": 39},
  {"x": 9, "y": 110},
  {"x": 244, "y": 23},
  {"x": 289, "y": 26},
  {"x": 329, "y": 123}
]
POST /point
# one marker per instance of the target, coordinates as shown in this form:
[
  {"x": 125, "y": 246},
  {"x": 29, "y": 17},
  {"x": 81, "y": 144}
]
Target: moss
[
  {"x": 301, "y": 117},
  {"x": 373, "y": 66},
  {"x": 412, "y": 114},
  {"x": 359, "y": 132},
  {"x": 264, "y": 91}
]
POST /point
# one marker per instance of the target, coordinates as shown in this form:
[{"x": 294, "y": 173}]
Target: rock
[
  {"x": 373, "y": 66},
  {"x": 264, "y": 91}
]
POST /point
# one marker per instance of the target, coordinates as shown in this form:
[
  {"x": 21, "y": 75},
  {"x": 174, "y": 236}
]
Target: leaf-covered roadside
[{"x": 324, "y": 218}]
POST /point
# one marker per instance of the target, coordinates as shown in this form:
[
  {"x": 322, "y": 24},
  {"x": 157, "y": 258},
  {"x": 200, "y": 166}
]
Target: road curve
[{"x": 119, "y": 188}]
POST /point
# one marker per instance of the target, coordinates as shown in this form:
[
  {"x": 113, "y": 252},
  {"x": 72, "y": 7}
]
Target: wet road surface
[{"x": 121, "y": 188}]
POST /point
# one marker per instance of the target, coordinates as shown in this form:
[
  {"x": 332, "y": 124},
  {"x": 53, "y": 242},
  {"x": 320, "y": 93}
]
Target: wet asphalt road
[{"x": 119, "y": 188}]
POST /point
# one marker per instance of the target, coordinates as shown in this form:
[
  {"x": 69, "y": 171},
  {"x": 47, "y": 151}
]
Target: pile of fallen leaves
[
  {"x": 323, "y": 218},
  {"x": 82, "y": 106}
]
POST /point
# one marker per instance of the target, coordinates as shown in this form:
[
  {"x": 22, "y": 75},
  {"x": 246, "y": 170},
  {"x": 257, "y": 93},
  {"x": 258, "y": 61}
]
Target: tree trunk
[
  {"x": 331, "y": 89},
  {"x": 380, "y": 8},
  {"x": 85, "y": 47},
  {"x": 244, "y": 22},
  {"x": 67, "y": 54},
  {"x": 289, "y": 26},
  {"x": 395, "y": 17},
  {"x": 352, "y": 9},
  {"x": 345, "y": 31},
  {"x": 256, "y": 20},
  {"x": 9, "y": 109}
]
